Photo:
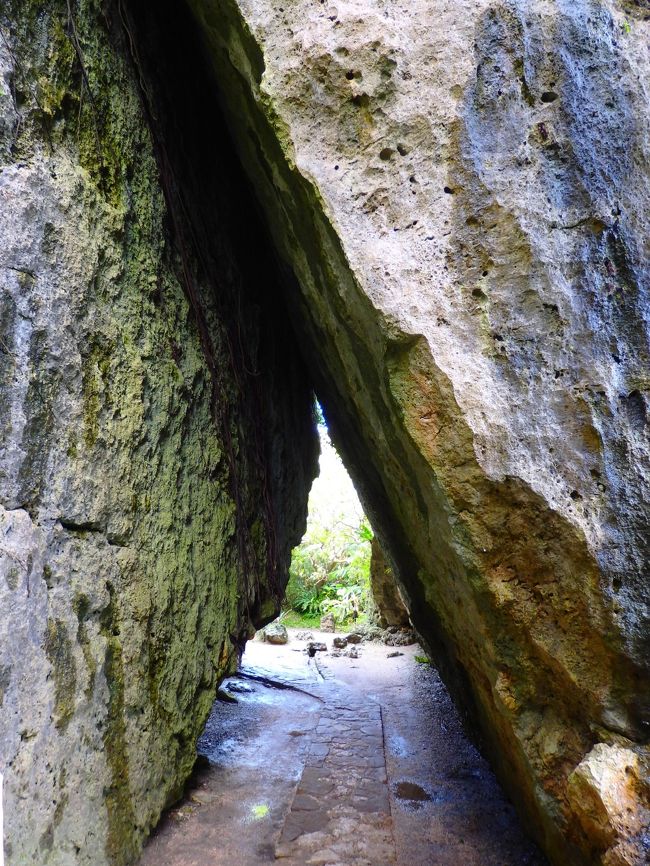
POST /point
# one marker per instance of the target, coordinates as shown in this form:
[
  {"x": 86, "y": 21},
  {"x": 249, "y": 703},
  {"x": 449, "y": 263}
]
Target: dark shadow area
[{"x": 236, "y": 301}]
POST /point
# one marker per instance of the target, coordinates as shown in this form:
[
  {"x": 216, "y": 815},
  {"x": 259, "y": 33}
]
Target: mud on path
[{"x": 362, "y": 762}]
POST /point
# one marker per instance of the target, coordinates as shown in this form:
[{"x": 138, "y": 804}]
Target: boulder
[
  {"x": 328, "y": 623},
  {"x": 276, "y": 633},
  {"x": 399, "y": 637},
  {"x": 369, "y": 631},
  {"x": 314, "y": 647},
  {"x": 137, "y": 441}
]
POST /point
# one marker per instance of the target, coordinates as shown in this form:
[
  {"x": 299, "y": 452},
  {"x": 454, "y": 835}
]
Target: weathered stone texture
[
  {"x": 461, "y": 190},
  {"x": 147, "y": 508},
  {"x": 386, "y": 598}
]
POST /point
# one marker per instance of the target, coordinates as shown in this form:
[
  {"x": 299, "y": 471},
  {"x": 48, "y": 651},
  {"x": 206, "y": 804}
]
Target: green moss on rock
[
  {"x": 96, "y": 368},
  {"x": 58, "y": 649},
  {"x": 121, "y": 843},
  {"x": 148, "y": 457}
]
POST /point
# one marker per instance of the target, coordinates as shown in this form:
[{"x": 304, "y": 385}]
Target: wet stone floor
[{"x": 339, "y": 761}]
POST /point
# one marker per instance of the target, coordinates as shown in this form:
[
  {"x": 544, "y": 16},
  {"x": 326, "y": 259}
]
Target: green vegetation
[
  {"x": 330, "y": 572},
  {"x": 330, "y": 568},
  {"x": 294, "y": 619}
]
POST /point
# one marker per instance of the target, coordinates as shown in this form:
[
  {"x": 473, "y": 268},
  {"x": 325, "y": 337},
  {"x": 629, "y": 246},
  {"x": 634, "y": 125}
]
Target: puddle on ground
[
  {"x": 412, "y": 792},
  {"x": 413, "y": 797}
]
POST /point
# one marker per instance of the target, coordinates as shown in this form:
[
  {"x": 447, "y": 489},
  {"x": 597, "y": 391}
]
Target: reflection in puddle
[
  {"x": 412, "y": 796},
  {"x": 411, "y": 791}
]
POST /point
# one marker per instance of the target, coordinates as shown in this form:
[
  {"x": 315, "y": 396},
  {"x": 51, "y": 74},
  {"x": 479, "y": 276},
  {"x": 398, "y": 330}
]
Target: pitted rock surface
[
  {"x": 460, "y": 189},
  {"x": 455, "y": 257}
]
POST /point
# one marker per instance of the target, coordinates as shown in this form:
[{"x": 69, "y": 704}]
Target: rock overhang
[{"x": 456, "y": 188}]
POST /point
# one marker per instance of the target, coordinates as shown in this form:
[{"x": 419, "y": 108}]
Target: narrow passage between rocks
[{"x": 361, "y": 762}]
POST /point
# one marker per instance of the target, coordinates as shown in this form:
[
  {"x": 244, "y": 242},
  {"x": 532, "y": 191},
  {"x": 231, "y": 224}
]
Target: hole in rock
[{"x": 636, "y": 409}]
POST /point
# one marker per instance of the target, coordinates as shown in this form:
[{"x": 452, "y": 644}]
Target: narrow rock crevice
[
  {"x": 430, "y": 356},
  {"x": 216, "y": 208}
]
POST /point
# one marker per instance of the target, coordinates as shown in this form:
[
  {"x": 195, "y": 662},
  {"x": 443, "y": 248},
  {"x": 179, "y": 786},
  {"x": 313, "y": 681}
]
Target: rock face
[
  {"x": 459, "y": 190},
  {"x": 385, "y": 594},
  {"x": 327, "y": 622},
  {"x": 149, "y": 398}
]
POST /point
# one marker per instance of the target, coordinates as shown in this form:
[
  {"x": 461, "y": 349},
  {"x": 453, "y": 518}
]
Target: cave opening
[{"x": 330, "y": 571}]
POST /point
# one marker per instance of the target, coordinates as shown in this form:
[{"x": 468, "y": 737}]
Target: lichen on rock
[{"x": 137, "y": 441}]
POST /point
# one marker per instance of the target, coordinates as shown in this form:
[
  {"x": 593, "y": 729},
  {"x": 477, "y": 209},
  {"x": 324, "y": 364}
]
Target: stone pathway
[
  {"x": 354, "y": 762},
  {"x": 341, "y": 813}
]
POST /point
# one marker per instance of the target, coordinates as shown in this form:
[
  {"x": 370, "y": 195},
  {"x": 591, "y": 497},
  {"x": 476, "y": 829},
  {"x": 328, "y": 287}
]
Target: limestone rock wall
[
  {"x": 460, "y": 189},
  {"x": 386, "y": 596},
  {"x": 156, "y": 441}
]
